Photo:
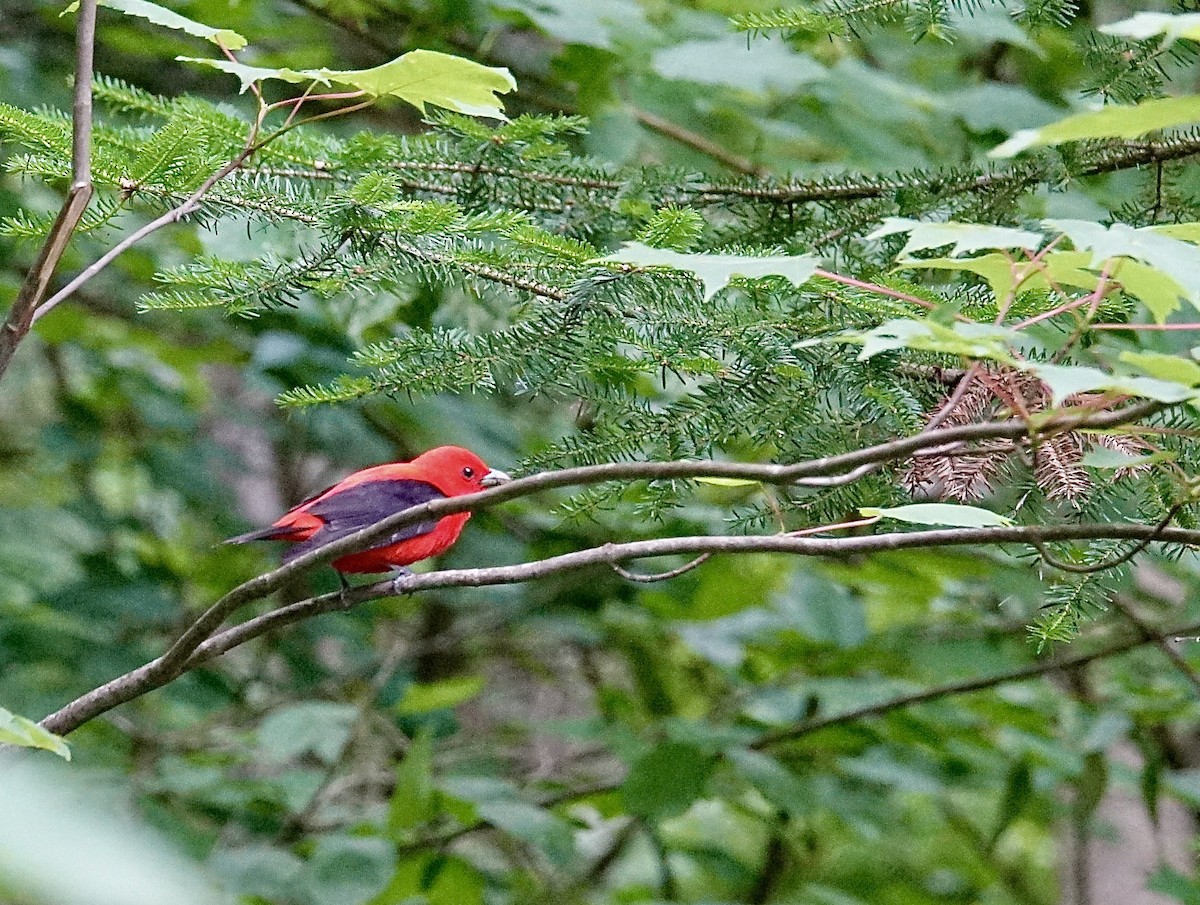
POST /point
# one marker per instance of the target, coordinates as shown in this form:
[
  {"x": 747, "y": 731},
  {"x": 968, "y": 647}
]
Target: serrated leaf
[
  {"x": 1112, "y": 121},
  {"x": 152, "y": 12},
  {"x": 715, "y": 271},
  {"x": 1145, "y": 25},
  {"x": 995, "y": 268},
  {"x": 1165, "y": 367},
  {"x": 951, "y": 514},
  {"x": 22, "y": 731},
  {"x": 1065, "y": 381},
  {"x": 419, "y": 77},
  {"x": 971, "y": 340},
  {"x": 1173, "y": 258},
  {"x": 424, "y": 697},
  {"x": 965, "y": 237}
]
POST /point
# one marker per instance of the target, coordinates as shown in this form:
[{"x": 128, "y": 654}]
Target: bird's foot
[
  {"x": 342, "y": 598},
  {"x": 399, "y": 576}
]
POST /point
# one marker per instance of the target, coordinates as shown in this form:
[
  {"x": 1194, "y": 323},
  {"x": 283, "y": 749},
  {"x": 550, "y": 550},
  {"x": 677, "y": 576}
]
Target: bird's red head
[{"x": 458, "y": 470}]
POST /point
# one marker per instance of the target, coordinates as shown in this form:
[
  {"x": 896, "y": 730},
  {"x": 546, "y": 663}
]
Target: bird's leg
[
  {"x": 345, "y": 589},
  {"x": 399, "y": 573}
]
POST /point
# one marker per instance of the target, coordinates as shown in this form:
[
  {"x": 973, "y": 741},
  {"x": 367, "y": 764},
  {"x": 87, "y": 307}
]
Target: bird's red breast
[{"x": 372, "y": 494}]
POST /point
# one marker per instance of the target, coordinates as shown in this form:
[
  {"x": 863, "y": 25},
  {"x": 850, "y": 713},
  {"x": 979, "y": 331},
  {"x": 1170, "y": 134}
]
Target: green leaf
[
  {"x": 970, "y": 340},
  {"x": 426, "y": 696},
  {"x": 715, "y": 271},
  {"x": 19, "y": 730},
  {"x": 497, "y": 802},
  {"x": 666, "y": 780},
  {"x": 727, "y": 482},
  {"x": 420, "y": 77},
  {"x": 1113, "y": 121},
  {"x": 940, "y": 514},
  {"x": 965, "y": 237},
  {"x": 1068, "y": 380},
  {"x": 321, "y": 728},
  {"x": 1174, "y": 259},
  {"x": 414, "y": 800},
  {"x": 1165, "y": 367},
  {"x": 1018, "y": 790},
  {"x": 995, "y": 268},
  {"x": 152, "y": 12},
  {"x": 1148, "y": 25},
  {"x": 784, "y": 789},
  {"x": 1104, "y": 457}
]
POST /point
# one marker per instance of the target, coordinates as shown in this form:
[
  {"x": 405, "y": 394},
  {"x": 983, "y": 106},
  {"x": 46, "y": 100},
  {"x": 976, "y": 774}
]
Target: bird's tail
[{"x": 271, "y": 532}]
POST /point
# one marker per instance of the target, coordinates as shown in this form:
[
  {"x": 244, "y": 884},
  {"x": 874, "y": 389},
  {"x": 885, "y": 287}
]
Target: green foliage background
[{"x": 583, "y": 738}]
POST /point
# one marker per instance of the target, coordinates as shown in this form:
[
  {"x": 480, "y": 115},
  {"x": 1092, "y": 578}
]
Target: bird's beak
[{"x": 494, "y": 478}]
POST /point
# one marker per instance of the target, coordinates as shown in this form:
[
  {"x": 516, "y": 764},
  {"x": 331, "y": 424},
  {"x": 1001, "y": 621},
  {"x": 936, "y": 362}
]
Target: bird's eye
[{"x": 468, "y": 472}]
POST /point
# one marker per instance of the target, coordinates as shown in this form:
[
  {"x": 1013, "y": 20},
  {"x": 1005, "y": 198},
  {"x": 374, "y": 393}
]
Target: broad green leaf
[
  {"x": 971, "y": 340},
  {"x": 346, "y": 870},
  {"x": 666, "y": 780},
  {"x": 1176, "y": 259},
  {"x": 420, "y": 77},
  {"x": 20, "y": 730},
  {"x": 729, "y": 62},
  {"x": 715, "y": 271},
  {"x": 1068, "y": 380},
  {"x": 1108, "y": 458},
  {"x": 1112, "y": 121},
  {"x": 783, "y": 788},
  {"x": 1165, "y": 367},
  {"x": 951, "y": 514},
  {"x": 414, "y": 800},
  {"x": 426, "y": 696},
  {"x": 727, "y": 482},
  {"x": 152, "y": 12},
  {"x": 1148, "y": 25},
  {"x": 995, "y": 268},
  {"x": 497, "y": 802},
  {"x": 321, "y": 728},
  {"x": 1188, "y": 232},
  {"x": 965, "y": 237}
]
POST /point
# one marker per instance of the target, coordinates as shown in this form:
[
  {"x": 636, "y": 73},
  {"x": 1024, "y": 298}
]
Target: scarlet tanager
[{"x": 370, "y": 495}]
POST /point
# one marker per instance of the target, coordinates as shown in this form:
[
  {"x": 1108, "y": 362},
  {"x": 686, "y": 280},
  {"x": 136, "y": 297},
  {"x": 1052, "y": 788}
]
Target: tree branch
[
  {"x": 25, "y": 307},
  {"x": 196, "y": 646},
  {"x": 179, "y": 657}
]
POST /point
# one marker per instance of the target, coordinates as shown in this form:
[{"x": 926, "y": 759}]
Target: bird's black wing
[{"x": 365, "y": 504}]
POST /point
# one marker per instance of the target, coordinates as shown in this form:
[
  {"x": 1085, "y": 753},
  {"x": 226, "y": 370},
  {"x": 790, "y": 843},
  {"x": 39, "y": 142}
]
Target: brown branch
[
  {"x": 25, "y": 307},
  {"x": 176, "y": 660},
  {"x": 196, "y": 646}
]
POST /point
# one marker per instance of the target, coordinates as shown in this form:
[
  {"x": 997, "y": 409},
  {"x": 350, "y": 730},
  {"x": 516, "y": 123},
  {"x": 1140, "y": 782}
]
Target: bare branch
[
  {"x": 195, "y": 646},
  {"x": 24, "y": 310}
]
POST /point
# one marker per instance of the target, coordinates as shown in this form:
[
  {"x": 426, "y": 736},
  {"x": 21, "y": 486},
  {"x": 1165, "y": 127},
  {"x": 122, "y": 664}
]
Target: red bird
[{"x": 367, "y": 496}]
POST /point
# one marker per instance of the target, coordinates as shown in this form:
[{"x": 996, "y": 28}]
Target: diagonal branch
[
  {"x": 25, "y": 307},
  {"x": 196, "y": 646}
]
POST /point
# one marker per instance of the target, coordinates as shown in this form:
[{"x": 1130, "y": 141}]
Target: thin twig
[{"x": 643, "y": 578}]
